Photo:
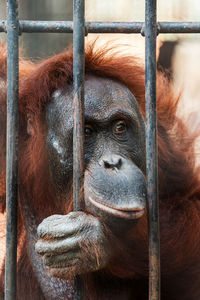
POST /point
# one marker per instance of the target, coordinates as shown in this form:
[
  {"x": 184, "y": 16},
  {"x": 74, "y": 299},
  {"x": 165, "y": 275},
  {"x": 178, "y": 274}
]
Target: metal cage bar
[
  {"x": 78, "y": 132},
  {"x": 151, "y": 149},
  {"x": 102, "y": 27},
  {"x": 12, "y": 150}
]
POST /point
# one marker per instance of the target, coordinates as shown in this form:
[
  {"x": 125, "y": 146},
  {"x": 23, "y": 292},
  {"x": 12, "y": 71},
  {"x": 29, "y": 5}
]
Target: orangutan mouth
[{"x": 126, "y": 213}]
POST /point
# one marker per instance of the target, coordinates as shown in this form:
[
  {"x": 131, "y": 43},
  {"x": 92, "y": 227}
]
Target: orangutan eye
[
  {"x": 120, "y": 128},
  {"x": 88, "y": 131}
]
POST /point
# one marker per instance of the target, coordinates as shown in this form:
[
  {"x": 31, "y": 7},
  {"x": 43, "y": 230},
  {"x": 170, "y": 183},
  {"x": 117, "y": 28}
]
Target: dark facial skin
[{"x": 114, "y": 185}]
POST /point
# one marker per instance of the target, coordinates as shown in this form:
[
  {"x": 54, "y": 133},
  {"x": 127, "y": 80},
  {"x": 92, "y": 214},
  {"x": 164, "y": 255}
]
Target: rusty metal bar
[
  {"x": 12, "y": 151},
  {"x": 178, "y": 27},
  {"x": 78, "y": 133},
  {"x": 103, "y": 27},
  {"x": 151, "y": 149},
  {"x": 78, "y": 71}
]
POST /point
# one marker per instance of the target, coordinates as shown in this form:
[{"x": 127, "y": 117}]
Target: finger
[
  {"x": 62, "y": 260},
  {"x": 66, "y": 272},
  {"x": 58, "y": 246},
  {"x": 58, "y": 226}
]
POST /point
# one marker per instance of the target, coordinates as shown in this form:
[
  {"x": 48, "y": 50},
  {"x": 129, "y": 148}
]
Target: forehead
[{"x": 102, "y": 96}]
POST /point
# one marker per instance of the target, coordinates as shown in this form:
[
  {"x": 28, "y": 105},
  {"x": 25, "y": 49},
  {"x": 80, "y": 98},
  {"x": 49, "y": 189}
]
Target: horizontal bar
[
  {"x": 178, "y": 27},
  {"x": 114, "y": 27},
  {"x": 103, "y": 27}
]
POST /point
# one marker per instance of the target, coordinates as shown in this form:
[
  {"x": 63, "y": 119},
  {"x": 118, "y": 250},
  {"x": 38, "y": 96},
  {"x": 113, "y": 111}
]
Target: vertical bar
[
  {"x": 78, "y": 134},
  {"x": 151, "y": 149},
  {"x": 12, "y": 150},
  {"x": 78, "y": 71}
]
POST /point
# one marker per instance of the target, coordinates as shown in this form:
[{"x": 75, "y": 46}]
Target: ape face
[{"x": 114, "y": 185}]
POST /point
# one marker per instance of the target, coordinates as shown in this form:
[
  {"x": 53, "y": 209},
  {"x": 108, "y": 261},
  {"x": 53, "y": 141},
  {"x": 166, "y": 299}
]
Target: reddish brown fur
[{"x": 179, "y": 185}]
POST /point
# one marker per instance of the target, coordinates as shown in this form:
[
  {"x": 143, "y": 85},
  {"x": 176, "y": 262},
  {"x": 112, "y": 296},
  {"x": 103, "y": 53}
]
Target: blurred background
[{"x": 178, "y": 54}]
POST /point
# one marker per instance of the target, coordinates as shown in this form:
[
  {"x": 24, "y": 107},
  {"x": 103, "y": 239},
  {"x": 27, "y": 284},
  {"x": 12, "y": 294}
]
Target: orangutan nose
[{"x": 112, "y": 162}]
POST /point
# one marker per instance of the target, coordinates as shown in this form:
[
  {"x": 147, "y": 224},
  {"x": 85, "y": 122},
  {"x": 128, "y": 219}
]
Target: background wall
[{"x": 39, "y": 45}]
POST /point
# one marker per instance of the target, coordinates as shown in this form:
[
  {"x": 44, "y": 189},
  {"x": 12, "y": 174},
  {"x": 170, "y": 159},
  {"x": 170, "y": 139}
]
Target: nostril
[
  {"x": 119, "y": 163},
  {"x": 107, "y": 165},
  {"x": 113, "y": 163}
]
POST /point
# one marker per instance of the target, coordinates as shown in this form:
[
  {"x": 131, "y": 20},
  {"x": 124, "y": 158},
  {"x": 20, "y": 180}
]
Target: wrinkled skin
[
  {"x": 114, "y": 185},
  {"x": 71, "y": 243}
]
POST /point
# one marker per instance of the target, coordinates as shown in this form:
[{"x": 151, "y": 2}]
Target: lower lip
[{"x": 128, "y": 214}]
